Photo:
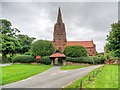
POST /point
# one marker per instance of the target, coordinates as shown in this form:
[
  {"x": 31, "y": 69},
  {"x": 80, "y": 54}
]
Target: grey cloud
[{"x": 83, "y": 20}]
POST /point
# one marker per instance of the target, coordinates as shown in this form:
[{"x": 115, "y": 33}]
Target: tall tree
[
  {"x": 25, "y": 41},
  {"x": 42, "y": 48},
  {"x": 8, "y": 41},
  {"x": 114, "y": 39}
]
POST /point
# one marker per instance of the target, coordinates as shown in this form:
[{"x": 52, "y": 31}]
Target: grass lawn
[
  {"x": 70, "y": 67},
  {"x": 18, "y": 72},
  {"x": 107, "y": 78}
]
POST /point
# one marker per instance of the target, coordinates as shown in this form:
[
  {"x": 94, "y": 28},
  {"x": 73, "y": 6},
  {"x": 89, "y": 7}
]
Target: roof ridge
[{"x": 79, "y": 41}]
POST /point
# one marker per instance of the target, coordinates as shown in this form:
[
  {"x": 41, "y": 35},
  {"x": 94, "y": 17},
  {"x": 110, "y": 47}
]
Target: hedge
[
  {"x": 89, "y": 60},
  {"x": 44, "y": 60},
  {"x": 79, "y": 60},
  {"x": 28, "y": 53},
  {"x": 23, "y": 59},
  {"x": 98, "y": 60}
]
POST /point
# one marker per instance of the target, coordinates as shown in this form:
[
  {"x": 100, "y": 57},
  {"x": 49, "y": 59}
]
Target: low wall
[
  {"x": 112, "y": 61},
  {"x": 72, "y": 63}
]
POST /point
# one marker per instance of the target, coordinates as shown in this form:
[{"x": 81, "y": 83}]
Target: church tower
[{"x": 59, "y": 35}]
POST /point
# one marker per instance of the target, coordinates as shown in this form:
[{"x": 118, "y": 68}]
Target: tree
[
  {"x": 75, "y": 51},
  {"x": 114, "y": 39},
  {"x": 25, "y": 42},
  {"x": 8, "y": 41},
  {"x": 42, "y": 48}
]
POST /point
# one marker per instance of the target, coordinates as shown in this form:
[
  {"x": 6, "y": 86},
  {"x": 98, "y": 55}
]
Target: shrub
[
  {"x": 89, "y": 60},
  {"x": 42, "y": 48},
  {"x": 79, "y": 60},
  {"x": 23, "y": 59},
  {"x": 44, "y": 60},
  {"x": 5, "y": 60},
  {"x": 0, "y": 58},
  {"x": 0, "y": 55},
  {"x": 98, "y": 60},
  {"x": 75, "y": 51},
  {"x": 9, "y": 59},
  {"x": 28, "y": 53}
]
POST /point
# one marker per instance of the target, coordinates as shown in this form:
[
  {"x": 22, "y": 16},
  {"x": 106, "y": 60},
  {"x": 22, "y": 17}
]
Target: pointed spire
[{"x": 59, "y": 18}]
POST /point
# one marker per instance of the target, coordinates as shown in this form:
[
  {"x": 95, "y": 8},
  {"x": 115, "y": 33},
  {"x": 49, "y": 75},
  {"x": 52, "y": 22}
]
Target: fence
[{"x": 92, "y": 76}]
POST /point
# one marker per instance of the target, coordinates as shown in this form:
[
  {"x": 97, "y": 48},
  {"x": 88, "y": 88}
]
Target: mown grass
[
  {"x": 0, "y": 75},
  {"x": 71, "y": 67},
  {"x": 18, "y": 72},
  {"x": 106, "y": 78}
]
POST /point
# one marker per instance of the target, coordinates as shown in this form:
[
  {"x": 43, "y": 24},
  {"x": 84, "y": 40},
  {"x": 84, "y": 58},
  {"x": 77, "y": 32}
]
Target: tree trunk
[{"x": 3, "y": 57}]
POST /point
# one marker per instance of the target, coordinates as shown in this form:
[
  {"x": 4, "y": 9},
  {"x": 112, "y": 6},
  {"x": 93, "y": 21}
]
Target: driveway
[
  {"x": 6, "y": 64},
  {"x": 52, "y": 78}
]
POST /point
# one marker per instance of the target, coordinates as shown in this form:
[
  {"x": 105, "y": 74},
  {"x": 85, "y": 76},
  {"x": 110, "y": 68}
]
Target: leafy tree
[
  {"x": 109, "y": 55},
  {"x": 114, "y": 39},
  {"x": 25, "y": 42},
  {"x": 8, "y": 41},
  {"x": 42, "y": 48},
  {"x": 75, "y": 51}
]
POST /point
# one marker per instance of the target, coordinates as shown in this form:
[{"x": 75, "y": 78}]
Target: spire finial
[{"x": 59, "y": 19}]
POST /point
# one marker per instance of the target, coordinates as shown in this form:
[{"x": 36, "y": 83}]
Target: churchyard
[
  {"x": 18, "y": 72},
  {"x": 30, "y": 57},
  {"x": 102, "y": 77}
]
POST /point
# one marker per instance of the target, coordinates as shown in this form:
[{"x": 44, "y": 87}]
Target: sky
[{"x": 83, "y": 20}]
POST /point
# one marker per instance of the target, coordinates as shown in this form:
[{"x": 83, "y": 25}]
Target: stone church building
[{"x": 60, "y": 40}]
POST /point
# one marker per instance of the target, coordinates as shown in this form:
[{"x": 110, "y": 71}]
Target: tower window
[
  {"x": 60, "y": 48},
  {"x": 59, "y": 23}
]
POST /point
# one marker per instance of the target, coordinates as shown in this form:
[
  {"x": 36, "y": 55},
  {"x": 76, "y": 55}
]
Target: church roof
[{"x": 82, "y": 43}]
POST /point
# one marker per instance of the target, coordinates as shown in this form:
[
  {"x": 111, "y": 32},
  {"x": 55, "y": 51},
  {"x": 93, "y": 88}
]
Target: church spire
[{"x": 59, "y": 18}]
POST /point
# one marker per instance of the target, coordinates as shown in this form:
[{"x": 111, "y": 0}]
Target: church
[{"x": 60, "y": 40}]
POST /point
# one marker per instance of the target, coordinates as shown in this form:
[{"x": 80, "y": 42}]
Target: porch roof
[{"x": 57, "y": 55}]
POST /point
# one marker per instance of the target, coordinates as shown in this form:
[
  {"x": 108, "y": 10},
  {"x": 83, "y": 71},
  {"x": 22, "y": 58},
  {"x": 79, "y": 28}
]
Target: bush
[
  {"x": 5, "y": 60},
  {"x": 9, "y": 59},
  {"x": 44, "y": 60},
  {"x": 23, "y": 59},
  {"x": 89, "y": 60},
  {"x": 0, "y": 55},
  {"x": 75, "y": 51},
  {"x": 0, "y": 60},
  {"x": 42, "y": 48},
  {"x": 98, "y": 60},
  {"x": 79, "y": 60},
  {"x": 28, "y": 53}
]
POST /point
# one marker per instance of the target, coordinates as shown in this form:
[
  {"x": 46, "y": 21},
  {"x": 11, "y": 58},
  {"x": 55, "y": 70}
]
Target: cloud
[{"x": 83, "y": 20}]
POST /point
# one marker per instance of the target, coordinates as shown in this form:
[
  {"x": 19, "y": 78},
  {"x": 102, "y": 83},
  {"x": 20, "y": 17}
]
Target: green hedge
[
  {"x": 28, "y": 53},
  {"x": 89, "y": 60},
  {"x": 79, "y": 60},
  {"x": 24, "y": 59},
  {"x": 44, "y": 60},
  {"x": 98, "y": 60}
]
